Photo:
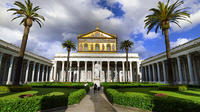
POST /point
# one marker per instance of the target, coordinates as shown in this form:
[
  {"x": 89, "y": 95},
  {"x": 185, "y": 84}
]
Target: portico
[
  {"x": 111, "y": 67},
  {"x": 185, "y": 65}
]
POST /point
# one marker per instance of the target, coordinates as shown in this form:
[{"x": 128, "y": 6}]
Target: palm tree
[
  {"x": 29, "y": 14},
  {"x": 126, "y": 45},
  {"x": 69, "y": 45},
  {"x": 161, "y": 18}
]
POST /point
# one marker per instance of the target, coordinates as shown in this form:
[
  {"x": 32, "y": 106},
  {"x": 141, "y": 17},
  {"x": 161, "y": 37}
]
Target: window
[
  {"x": 108, "y": 47},
  {"x": 97, "y": 47},
  {"x": 86, "y": 47}
]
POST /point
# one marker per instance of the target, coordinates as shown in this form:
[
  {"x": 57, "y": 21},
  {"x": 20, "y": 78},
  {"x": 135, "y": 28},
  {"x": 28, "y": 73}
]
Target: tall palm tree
[
  {"x": 126, "y": 45},
  {"x": 29, "y": 14},
  {"x": 69, "y": 45},
  {"x": 161, "y": 18}
]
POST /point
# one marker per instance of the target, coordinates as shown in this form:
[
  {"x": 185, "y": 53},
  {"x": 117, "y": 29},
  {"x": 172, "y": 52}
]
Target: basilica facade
[{"x": 96, "y": 60}]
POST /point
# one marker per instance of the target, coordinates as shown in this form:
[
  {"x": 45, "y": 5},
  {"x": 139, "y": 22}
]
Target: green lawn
[
  {"x": 37, "y": 92},
  {"x": 191, "y": 94}
]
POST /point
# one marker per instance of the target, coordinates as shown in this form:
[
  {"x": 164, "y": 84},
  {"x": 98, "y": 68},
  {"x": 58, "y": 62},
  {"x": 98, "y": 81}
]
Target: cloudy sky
[{"x": 65, "y": 19}]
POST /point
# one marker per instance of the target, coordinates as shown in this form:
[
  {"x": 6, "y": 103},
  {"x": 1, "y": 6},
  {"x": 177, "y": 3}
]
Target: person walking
[{"x": 95, "y": 87}]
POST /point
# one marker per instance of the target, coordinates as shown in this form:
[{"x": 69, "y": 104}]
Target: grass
[
  {"x": 192, "y": 94},
  {"x": 37, "y": 92}
]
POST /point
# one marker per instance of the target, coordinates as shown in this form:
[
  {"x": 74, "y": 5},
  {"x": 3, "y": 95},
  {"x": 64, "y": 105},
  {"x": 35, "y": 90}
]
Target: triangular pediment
[{"x": 97, "y": 34}]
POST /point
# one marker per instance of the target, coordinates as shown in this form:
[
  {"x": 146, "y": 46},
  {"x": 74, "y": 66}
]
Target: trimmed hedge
[
  {"x": 173, "y": 88},
  {"x": 43, "y": 102},
  {"x": 118, "y": 85},
  {"x": 11, "y": 88},
  {"x": 75, "y": 97},
  {"x": 152, "y": 103},
  {"x": 61, "y": 84}
]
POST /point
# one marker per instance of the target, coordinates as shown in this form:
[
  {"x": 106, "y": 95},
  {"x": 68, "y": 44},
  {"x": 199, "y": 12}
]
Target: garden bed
[
  {"x": 157, "y": 100},
  {"x": 40, "y": 99}
]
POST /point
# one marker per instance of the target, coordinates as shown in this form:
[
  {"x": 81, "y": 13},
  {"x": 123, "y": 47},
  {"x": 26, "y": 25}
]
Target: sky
[{"x": 66, "y": 19}]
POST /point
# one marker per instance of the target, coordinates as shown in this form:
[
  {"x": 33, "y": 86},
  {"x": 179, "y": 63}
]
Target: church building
[{"x": 96, "y": 60}]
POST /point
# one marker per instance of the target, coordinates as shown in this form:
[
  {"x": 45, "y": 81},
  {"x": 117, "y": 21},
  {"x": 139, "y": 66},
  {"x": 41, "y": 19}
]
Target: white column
[
  {"x": 85, "y": 71},
  {"x": 154, "y": 74},
  {"x": 70, "y": 71},
  {"x": 108, "y": 71},
  {"x": 131, "y": 72},
  {"x": 78, "y": 70},
  {"x": 158, "y": 70},
  {"x": 116, "y": 77},
  {"x": 138, "y": 75},
  {"x": 33, "y": 72},
  {"x": 38, "y": 75},
  {"x": 101, "y": 73},
  {"x": 55, "y": 71},
  {"x": 10, "y": 70},
  {"x": 190, "y": 69},
  {"x": 164, "y": 72},
  {"x": 47, "y": 72},
  {"x": 62, "y": 74},
  {"x": 92, "y": 70},
  {"x": 179, "y": 70},
  {"x": 1, "y": 56},
  {"x": 51, "y": 74},
  {"x": 123, "y": 71},
  {"x": 146, "y": 74},
  {"x": 27, "y": 70},
  {"x": 43, "y": 73},
  {"x": 149, "y": 73}
]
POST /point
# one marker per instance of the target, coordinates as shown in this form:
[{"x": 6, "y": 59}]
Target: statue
[{"x": 97, "y": 69}]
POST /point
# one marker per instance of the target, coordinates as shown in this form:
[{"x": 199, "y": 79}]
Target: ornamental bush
[
  {"x": 75, "y": 97},
  {"x": 152, "y": 103},
  {"x": 11, "y": 88},
  {"x": 173, "y": 88}
]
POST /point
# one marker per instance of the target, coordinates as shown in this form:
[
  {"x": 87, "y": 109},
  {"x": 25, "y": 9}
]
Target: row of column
[
  {"x": 45, "y": 69},
  {"x": 107, "y": 78},
  {"x": 149, "y": 75}
]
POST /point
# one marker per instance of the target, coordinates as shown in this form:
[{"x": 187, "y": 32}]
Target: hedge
[
  {"x": 33, "y": 104},
  {"x": 173, "y": 88},
  {"x": 43, "y": 102},
  {"x": 117, "y": 85},
  {"x": 75, "y": 97},
  {"x": 68, "y": 84},
  {"x": 11, "y": 88},
  {"x": 152, "y": 103}
]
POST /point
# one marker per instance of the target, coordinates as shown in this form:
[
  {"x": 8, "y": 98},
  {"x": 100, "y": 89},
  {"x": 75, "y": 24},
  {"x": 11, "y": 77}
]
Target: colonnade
[
  {"x": 83, "y": 71},
  {"x": 185, "y": 69},
  {"x": 32, "y": 71}
]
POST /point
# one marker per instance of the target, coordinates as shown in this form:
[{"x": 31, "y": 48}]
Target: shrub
[
  {"x": 173, "y": 88},
  {"x": 152, "y": 103},
  {"x": 75, "y": 97},
  {"x": 10, "y": 88}
]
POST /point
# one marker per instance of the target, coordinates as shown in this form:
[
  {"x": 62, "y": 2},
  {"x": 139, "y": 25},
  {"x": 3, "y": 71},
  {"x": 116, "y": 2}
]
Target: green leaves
[
  {"x": 126, "y": 44},
  {"x": 165, "y": 14},
  {"x": 69, "y": 45},
  {"x": 25, "y": 11}
]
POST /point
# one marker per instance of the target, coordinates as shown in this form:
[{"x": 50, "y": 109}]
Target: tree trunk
[
  {"x": 169, "y": 73},
  {"x": 126, "y": 64},
  {"x": 21, "y": 56},
  {"x": 68, "y": 51}
]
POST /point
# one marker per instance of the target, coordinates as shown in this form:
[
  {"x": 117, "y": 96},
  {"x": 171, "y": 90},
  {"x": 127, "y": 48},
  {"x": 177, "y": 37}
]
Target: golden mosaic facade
[{"x": 97, "y": 41}]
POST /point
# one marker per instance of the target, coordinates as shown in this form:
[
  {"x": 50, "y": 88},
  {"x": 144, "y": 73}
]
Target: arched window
[
  {"x": 108, "y": 47},
  {"x": 91, "y": 47},
  {"x": 86, "y": 47},
  {"x": 97, "y": 47}
]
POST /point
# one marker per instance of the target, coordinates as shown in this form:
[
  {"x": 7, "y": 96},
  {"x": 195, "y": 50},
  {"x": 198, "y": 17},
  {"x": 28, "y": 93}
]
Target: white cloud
[{"x": 178, "y": 42}]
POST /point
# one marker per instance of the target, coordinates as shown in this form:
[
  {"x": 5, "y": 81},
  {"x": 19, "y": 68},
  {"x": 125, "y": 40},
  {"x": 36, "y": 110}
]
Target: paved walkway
[{"x": 97, "y": 103}]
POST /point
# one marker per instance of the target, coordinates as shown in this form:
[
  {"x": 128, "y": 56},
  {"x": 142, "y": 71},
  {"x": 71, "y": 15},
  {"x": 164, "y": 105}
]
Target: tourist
[{"x": 95, "y": 87}]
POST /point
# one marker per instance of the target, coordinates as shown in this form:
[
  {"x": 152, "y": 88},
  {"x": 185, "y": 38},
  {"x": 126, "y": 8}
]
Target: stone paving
[{"x": 97, "y": 102}]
